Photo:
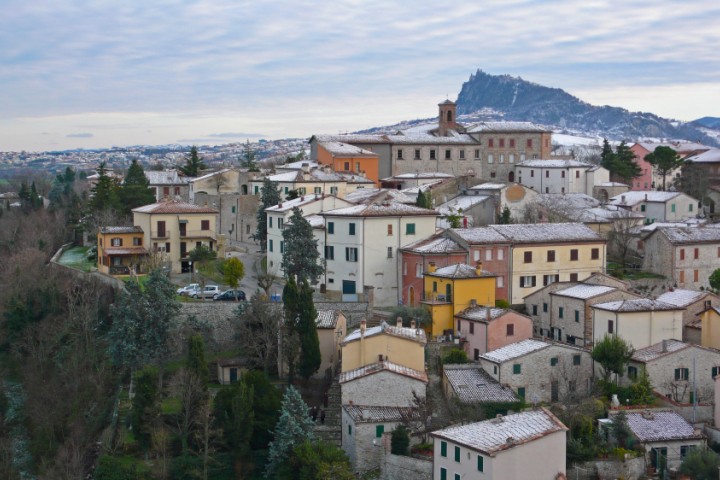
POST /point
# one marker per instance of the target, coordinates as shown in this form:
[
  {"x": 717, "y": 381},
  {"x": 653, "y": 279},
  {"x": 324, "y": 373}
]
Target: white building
[
  {"x": 560, "y": 176},
  {"x": 658, "y": 206},
  {"x": 641, "y": 322},
  {"x": 524, "y": 445},
  {"x": 362, "y": 241}
]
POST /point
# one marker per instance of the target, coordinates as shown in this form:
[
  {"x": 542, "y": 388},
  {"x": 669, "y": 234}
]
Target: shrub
[
  {"x": 400, "y": 441},
  {"x": 455, "y": 355}
]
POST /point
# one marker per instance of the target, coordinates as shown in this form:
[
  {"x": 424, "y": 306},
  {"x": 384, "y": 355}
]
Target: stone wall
[
  {"x": 212, "y": 319},
  {"x": 400, "y": 467},
  {"x": 629, "y": 469},
  {"x": 384, "y": 388}
]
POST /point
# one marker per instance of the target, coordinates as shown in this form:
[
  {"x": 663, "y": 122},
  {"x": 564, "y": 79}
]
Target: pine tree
[
  {"x": 300, "y": 255},
  {"x": 607, "y": 156},
  {"x": 248, "y": 158},
  {"x": 310, "y": 357},
  {"x": 135, "y": 191},
  {"x": 196, "y": 362},
  {"x": 235, "y": 413},
  {"x": 665, "y": 160},
  {"x": 145, "y": 408},
  {"x": 424, "y": 200},
  {"x": 290, "y": 340},
  {"x": 269, "y": 197},
  {"x": 294, "y": 427},
  {"x": 193, "y": 163},
  {"x": 105, "y": 191}
]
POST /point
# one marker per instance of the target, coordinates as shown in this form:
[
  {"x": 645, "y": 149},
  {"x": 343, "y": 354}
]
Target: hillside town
[{"x": 483, "y": 304}]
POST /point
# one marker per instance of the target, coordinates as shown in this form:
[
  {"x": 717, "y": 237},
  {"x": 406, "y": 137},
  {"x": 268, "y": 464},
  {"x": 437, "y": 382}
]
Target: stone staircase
[{"x": 331, "y": 431}]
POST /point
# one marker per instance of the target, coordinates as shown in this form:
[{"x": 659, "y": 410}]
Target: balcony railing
[
  {"x": 197, "y": 234},
  {"x": 435, "y": 297}
]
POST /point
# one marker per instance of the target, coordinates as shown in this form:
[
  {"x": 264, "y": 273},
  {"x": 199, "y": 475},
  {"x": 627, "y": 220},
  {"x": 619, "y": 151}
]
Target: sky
[{"x": 103, "y": 73}]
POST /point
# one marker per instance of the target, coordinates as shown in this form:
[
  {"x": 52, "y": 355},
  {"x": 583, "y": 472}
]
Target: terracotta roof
[
  {"x": 327, "y": 318},
  {"x": 367, "y": 414},
  {"x": 126, "y": 251},
  {"x": 174, "y": 206},
  {"x": 383, "y": 366},
  {"x": 505, "y": 432},
  {"x": 135, "y": 229},
  {"x": 472, "y": 384},
  {"x": 480, "y": 314},
  {"x": 415, "y": 334}
]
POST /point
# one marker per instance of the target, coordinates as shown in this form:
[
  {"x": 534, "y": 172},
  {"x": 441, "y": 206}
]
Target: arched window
[{"x": 449, "y": 116}]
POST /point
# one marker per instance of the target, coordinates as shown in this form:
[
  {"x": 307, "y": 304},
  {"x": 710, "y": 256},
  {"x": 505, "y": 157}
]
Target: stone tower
[{"x": 447, "y": 116}]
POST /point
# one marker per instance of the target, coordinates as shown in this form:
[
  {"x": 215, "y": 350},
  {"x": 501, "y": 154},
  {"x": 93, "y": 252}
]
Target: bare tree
[
  {"x": 160, "y": 440},
  {"x": 266, "y": 280},
  {"x": 206, "y": 436},
  {"x": 258, "y": 326},
  {"x": 418, "y": 418},
  {"x": 622, "y": 235},
  {"x": 192, "y": 392}
]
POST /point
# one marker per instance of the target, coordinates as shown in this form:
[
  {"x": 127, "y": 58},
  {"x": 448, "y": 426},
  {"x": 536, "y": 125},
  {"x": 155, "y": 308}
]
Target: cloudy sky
[{"x": 100, "y": 73}]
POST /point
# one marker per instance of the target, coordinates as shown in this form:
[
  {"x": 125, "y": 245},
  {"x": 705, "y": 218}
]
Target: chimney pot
[
  {"x": 664, "y": 346},
  {"x": 399, "y": 322},
  {"x": 412, "y": 323},
  {"x": 363, "y": 326},
  {"x": 478, "y": 269}
]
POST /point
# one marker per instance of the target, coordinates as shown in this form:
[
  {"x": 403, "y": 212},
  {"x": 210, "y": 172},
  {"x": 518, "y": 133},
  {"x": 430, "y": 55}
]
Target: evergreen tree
[
  {"x": 105, "y": 192},
  {"x": 145, "y": 408},
  {"x": 505, "y": 217},
  {"x": 310, "y": 357},
  {"x": 141, "y": 321},
  {"x": 234, "y": 413},
  {"x": 317, "y": 461},
  {"x": 196, "y": 362},
  {"x": 665, "y": 160},
  {"x": 300, "y": 255},
  {"x": 612, "y": 353},
  {"x": 621, "y": 163},
  {"x": 248, "y": 158},
  {"x": 36, "y": 200},
  {"x": 290, "y": 341},
  {"x": 607, "y": 156},
  {"x": 424, "y": 200},
  {"x": 135, "y": 191},
  {"x": 193, "y": 163},
  {"x": 294, "y": 427},
  {"x": 269, "y": 197}
]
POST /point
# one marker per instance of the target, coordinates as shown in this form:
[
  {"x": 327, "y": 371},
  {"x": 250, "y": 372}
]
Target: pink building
[
  {"x": 649, "y": 180},
  {"x": 484, "y": 329}
]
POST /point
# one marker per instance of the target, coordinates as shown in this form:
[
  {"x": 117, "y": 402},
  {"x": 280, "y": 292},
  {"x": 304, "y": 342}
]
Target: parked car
[
  {"x": 188, "y": 289},
  {"x": 210, "y": 291},
  {"x": 231, "y": 295}
]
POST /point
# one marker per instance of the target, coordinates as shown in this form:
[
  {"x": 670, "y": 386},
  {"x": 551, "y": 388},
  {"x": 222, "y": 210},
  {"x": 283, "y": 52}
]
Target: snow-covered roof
[
  {"x": 419, "y": 176},
  {"x": 340, "y": 149},
  {"x": 679, "y": 147},
  {"x": 554, "y": 163},
  {"x": 352, "y": 138},
  {"x": 472, "y": 384},
  {"x": 204, "y": 177},
  {"x": 547, "y": 232},
  {"x": 135, "y": 229},
  {"x": 502, "y": 433},
  {"x": 659, "y": 349},
  {"x": 173, "y": 206},
  {"x": 481, "y": 314},
  {"x": 315, "y": 220},
  {"x": 515, "y": 350},
  {"x": 635, "y": 305},
  {"x": 459, "y": 203},
  {"x": 488, "y": 186},
  {"x": 415, "y": 334},
  {"x": 635, "y": 197},
  {"x": 460, "y": 270},
  {"x": 691, "y": 235},
  {"x": 501, "y": 127},
  {"x": 656, "y": 426},
  {"x": 372, "y": 195},
  {"x": 386, "y": 366},
  {"x": 434, "y": 244},
  {"x": 408, "y": 137},
  {"x": 682, "y": 298},
  {"x": 480, "y": 235},
  {"x": 299, "y": 165},
  {"x": 327, "y": 318},
  {"x": 385, "y": 209},
  {"x": 710, "y": 156},
  {"x": 610, "y": 184},
  {"x": 369, "y": 414},
  {"x": 295, "y": 202},
  {"x": 584, "y": 291},
  {"x": 165, "y": 177}
]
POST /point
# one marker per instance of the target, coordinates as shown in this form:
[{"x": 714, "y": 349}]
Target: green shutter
[
  {"x": 561, "y": 310},
  {"x": 577, "y": 315},
  {"x": 517, "y": 368},
  {"x": 521, "y": 392},
  {"x": 443, "y": 473},
  {"x": 480, "y": 463},
  {"x": 457, "y": 454},
  {"x": 349, "y": 429},
  {"x": 443, "y": 449},
  {"x": 379, "y": 430},
  {"x": 553, "y": 361}
]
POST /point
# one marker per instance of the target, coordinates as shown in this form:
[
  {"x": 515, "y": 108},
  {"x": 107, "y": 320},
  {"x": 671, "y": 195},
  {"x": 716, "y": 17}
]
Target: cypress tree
[
  {"x": 269, "y": 197},
  {"x": 290, "y": 340},
  {"x": 196, "y": 362},
  {"x": 300, "y": 256},
  {"x": 310, "y": 357}
]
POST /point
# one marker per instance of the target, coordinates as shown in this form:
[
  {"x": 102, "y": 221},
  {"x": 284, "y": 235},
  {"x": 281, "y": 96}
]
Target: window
[
  {"x": 317, "y": 190},
  {"x": 510, "y": 329},
  {"x": 137, "y": 241},
  {"x": 333, "y": 190},
  {"x": 281, "y": 223},
  {"x": 562, "y": 174},
  {"x": 379, "y": 430},
  {"x": 595, "y": 253},
  {"x": 500, "y": 254},
  {"x": 715, "y": 371},
  {"x": 389, "y": 252},
  {"x": 685, "y": 449},
  {"x": 611, "y": 326},
  {"x": 329, "y": 252},
  {"x": 282, "y": 246},
  {"x": 448, "y": 154},
  {"x": 502, "y": 158},
  {"x": 399, "y": 154},
  {"x": 331, "y": 228},
  {"x": 488, "y": 255},
  {"x": 690, "y": 207},
  {"x": 462, "y": 154},
  {"x": 205, "y": 225},
  {"x": 457, "y": 454},
  {"x": 529, "y": 143},
  {"x": 443, "y": 449},
  {"x": 347, "y": 166},
  {"x": 573, "y": 277},
  {"x": 351, "y": 254},
  {"x": 672, "y": 208},
  {"x": 257, "y": 189},
  {"x": 551, "y": 255},
  {"x": 573, "y": 255},
  {"x": 161, "y": 229},
  {"x": 490, "y": 158},
  {"x": 561, "y": 311},
  {"x": 432, "y": 154},
  {"x": 696, "y": 254},
  {"x": 682, "y": 373},
  {"x": 389, "y": 229},
  {"x": 443, "y": 472},
  {"x": 527, "y": 257},
  {"x": 517, "y": 368},
  {"x": 532, "y": 173},
  {"x": 642, "y": 208},
  {"x": 410, "y": 229},
  {"x": 491, "y": 142},
  {"x": 682, "y": 276},
  {"x": 547, "y": 173},
  {"x": 577, "y": 316},
  {"x": 480, "y": 462},
  {"x": 553, "y": 361},
  {"x": 521, "y": 392},
  {"x": 548, "y": 279},
  {"x": 500, "y": 282},
  {"x": 502, "y": 142},
  {"x": 572, "y": 386},
  {"x": 167, "y": 247},
  {"x": 270, "y": 222},
  {"x": 476, "y": 354},
  {"x": 351, "y": 229},
  {"x": 404, "y": 268},
  {"x": 418, "y": 270},
  {"x": 232, "y": 209},
  {"x": 534, "y": 310},
  {"x": 682, "y": 254},
  {"x": 457, "y": 476},
  {"x": 632, "y": 372},
  {"x": 417, "y": 154},
  {"x": 166, "y": 191},
  {"x": 477, "y": 153},
  {"x": 527, "y": 281},
  {"x": 545, "y": 307},
  {"x": 695, "y": 275},
  {"x": 349, "y": 429},
  {"x": 116, "y": 242},
  {"x": 577, "y": 359}
]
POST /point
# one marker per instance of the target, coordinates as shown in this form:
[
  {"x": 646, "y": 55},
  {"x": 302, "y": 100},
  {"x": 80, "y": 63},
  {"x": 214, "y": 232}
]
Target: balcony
[
  {"x": 197, "y": 234},
  {"x": 436, "y": 298},
  {"x": 159, "y": 235}
]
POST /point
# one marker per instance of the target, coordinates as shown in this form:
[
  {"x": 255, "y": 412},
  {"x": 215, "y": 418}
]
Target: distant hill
[
  {"x": 515, "y": 99},
  {"x": 708, "y": 122}
]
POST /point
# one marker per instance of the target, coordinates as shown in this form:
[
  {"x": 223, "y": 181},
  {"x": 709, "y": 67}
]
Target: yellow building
[
  {"x": 450, "y": 290},
  {"x": 710, "y": 328},
  {"x": 174, "y": 228},
  {"x": 400, "y": 345},
  {"x": 120, "y": 251}
]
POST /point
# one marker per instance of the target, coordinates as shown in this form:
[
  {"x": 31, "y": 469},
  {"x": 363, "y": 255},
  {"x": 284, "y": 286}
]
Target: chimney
[
  {"x": 478, "y": 269},
  {"x": 412, "y": 324},
  {"x": 399, "y": 322},
  {"x": 473, "y": 303},
  {"x": 363, "y": 327},
  {"x": 664, "y": 346},
  {"x": 487, "y": 313},
  {"x": 305, "y": 167},
  {"x": 432, "y": 267}
]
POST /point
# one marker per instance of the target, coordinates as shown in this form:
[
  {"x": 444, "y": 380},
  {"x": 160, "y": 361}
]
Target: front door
[
  {"x": 233, "y": 375},
  {"x": 554, "y": 391}
]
